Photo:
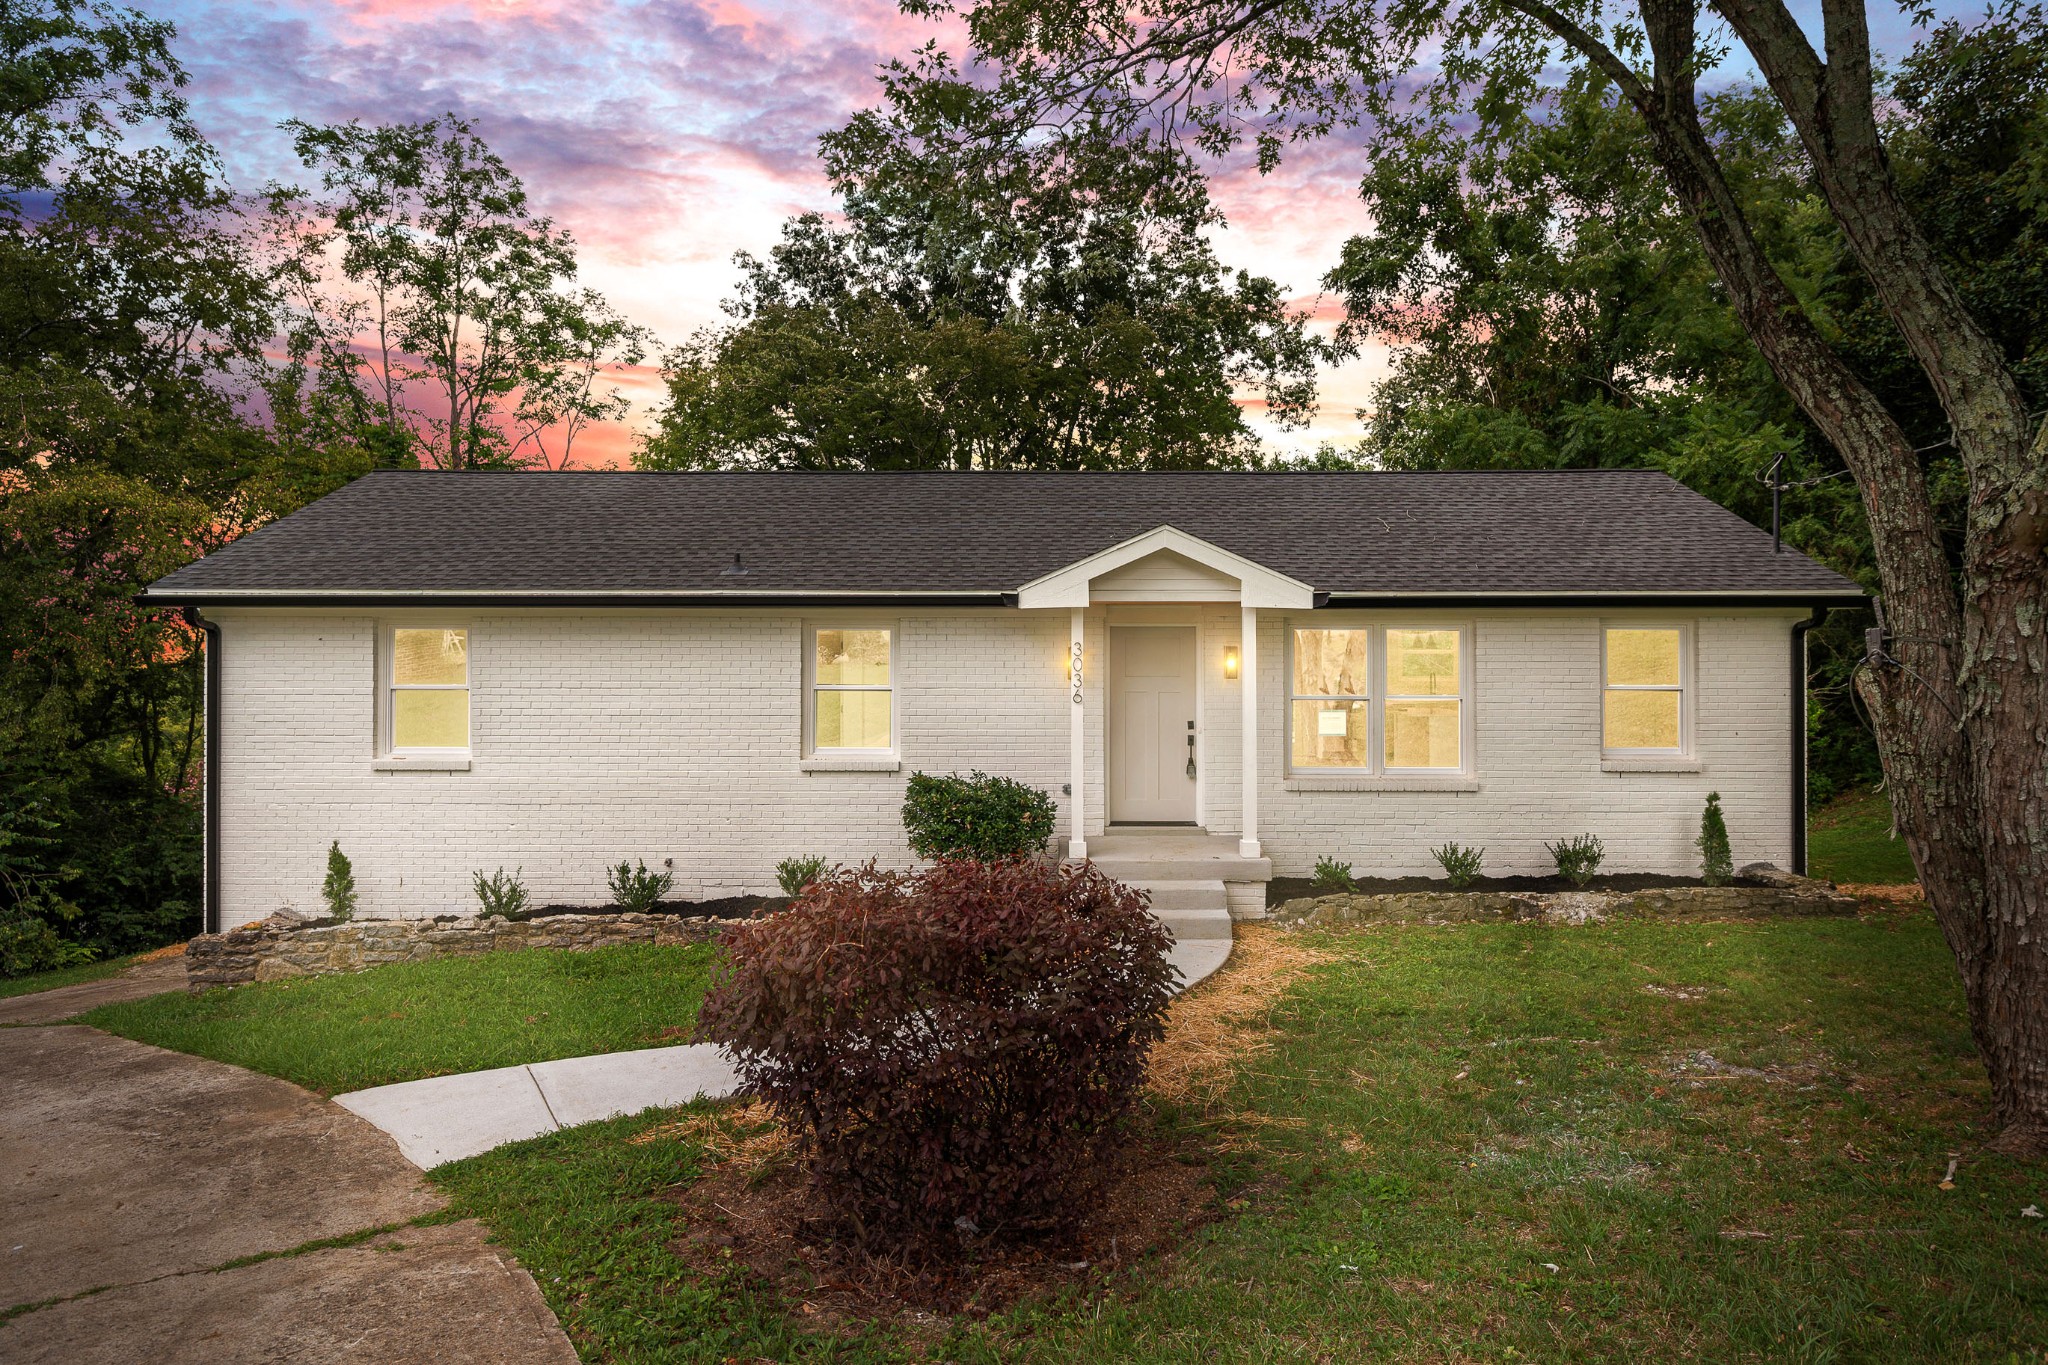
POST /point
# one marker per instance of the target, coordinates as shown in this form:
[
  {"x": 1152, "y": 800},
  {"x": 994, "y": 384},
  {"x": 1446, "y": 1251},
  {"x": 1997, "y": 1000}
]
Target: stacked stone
[
  {"x": 1784, "y": 895},
  {"x": 284, "y": 946}
]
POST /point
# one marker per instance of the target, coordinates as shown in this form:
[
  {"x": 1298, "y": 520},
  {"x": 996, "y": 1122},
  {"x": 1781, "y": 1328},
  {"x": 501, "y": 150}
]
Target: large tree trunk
[{"x": 1961, "y": 693}]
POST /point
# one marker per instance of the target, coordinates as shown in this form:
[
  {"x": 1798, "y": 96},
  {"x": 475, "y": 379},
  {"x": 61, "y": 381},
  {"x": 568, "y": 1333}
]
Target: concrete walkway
[
  {"x": 131, "y": 983},
  {"x": 163, "y": 1207},
  {"x": 446, "y": 1118}
]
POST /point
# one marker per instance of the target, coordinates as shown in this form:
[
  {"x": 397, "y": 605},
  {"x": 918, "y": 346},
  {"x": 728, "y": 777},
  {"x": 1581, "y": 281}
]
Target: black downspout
[
  {"x": 1799, "y": 629},
  {"x": 210, "y": 776}
]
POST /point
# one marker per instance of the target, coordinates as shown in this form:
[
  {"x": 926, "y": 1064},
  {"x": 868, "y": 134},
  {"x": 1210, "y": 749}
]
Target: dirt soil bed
[
  {"x": 762, "y": 1216},
  {"x": 1283, "y": 889},
  {"x": 724, "y": 907}
]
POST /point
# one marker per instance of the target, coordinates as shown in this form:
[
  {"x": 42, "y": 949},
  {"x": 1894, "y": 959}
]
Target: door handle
[{"x": 1191, "y": 748}]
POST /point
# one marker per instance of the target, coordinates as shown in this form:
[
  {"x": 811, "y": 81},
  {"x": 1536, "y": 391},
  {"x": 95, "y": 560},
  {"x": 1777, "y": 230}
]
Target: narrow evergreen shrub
[
  {"x": 339, "y": 887},
  {"x": 1460, "y": 864},
  {"x": 948, "y": 1048},
  {"x": 1717, "y": 861},
  {"x": 1578, "y": 858},
  {"x": 976, "y": 816},
  {"x": 1331, "y": 875},
  {"x": 794, "y": 874},
  {"x": 636, "y": 889},
  {"x": 501, "y": 893}
]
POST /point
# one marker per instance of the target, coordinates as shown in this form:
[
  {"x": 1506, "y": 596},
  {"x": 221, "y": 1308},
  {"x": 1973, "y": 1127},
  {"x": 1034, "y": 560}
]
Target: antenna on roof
[
  {"x": 734, "y": 569},
  {"x": 1778, "y": 487}
]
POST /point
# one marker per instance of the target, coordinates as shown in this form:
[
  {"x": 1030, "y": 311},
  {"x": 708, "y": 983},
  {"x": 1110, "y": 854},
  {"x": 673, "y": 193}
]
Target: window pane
[
  {"x": 1422, "y": 734},
  {"x": 1642, "y": 720},
  {"x": 1329, "y": 663},
  {"x": 430, "y": 656},
  {"x": 1422, "y": 663},
  {"x": 430, "y": 720},
  {"x": 851, "y": 720},
  {"x": 853, "y": 656},
  {"x": 1330, "y": 734},
  {"x": 1642, "y": 658}
]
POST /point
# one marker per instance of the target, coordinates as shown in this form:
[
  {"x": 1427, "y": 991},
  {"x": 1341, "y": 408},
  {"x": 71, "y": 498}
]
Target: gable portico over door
[{"x": 1151, "y": 737}]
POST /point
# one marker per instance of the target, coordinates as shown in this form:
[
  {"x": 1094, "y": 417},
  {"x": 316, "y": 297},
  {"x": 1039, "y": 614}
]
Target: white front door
[{"x": 1152, "y": 724}]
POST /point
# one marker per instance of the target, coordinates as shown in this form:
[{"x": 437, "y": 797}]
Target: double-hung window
[
  {"x": 852, "y": 702},
  {"x": 1377, "y": 699},
  {"x": 427, "y": 697},
  {"x": 1643, "y": 696}
]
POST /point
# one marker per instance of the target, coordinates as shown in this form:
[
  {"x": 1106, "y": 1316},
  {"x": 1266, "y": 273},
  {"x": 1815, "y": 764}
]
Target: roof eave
[{"x": 201, "y": 597}]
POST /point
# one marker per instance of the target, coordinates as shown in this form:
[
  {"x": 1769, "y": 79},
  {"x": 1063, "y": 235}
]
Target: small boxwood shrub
[
  {"x": 794, "y": 874},
  {"x": 948, "y": 1048},
  {"x": 501, "y": 892},
  {"x": 636, "y": 889},
  {"x": 976, "y": 816},
  {"x": 1460, "y": 864},
  {"x": 1578, "y": 858},
  {"x": 1333, "y": 876}
]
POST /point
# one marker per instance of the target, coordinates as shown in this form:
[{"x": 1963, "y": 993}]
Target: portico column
[
  {"x": 1248, "y": 690},
  {"x": 1077, "y": 754}
]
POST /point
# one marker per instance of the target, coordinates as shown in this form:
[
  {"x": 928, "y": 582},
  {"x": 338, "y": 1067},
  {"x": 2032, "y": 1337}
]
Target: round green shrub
[{"x": 976, "y": 816}]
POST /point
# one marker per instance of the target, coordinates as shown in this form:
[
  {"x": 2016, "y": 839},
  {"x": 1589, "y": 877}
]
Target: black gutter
[
  {"x": 209, "y": 793},
  {"x": 1799, "y": 629},
  {"x": 397, "y": 600}
]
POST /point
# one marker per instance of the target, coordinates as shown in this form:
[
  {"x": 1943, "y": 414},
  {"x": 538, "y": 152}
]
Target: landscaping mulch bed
[
  {"x": 1283, "y": 889},
  {"x": 724, "y": 907},
  {"x": 760, "y": 1215}
]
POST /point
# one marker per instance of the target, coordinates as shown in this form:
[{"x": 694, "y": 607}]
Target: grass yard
[
  {"x": 1629, "y": 1142},
  {"x": 63, "y": 976},
  {"x": 1849, "y": 840},
  {"x": 399, "y": 1023}
]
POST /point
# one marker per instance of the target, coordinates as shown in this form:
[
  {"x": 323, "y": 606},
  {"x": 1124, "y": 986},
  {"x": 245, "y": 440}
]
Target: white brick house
[{"x": 554, "y": 672}]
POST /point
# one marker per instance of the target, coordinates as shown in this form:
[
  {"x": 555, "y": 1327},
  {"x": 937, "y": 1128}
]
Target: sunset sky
[{"x": 668, "y": 134}]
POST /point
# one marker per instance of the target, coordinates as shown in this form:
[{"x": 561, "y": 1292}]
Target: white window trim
[
  {"x": 389, "y": 755},
  {"x": 816, "y": 759},
  {"x": 1381, "y": 775},
  {"x": 1652, "y": 760}
]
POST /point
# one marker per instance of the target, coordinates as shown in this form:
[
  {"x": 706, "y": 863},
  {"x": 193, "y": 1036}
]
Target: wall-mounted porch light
[{"x": 1230, "y": 661}]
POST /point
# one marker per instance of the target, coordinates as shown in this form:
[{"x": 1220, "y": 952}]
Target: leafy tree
[
  {"x": 464, "y": 291},
  {"x": 1959, "y": 686},
  {"x": 992, "y": 302}
]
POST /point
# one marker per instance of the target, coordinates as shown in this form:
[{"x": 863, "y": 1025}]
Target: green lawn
[
  {"x": 1849, "y": 840},
  {"x": 399, "y": 1023},
  {"x": 63, "y": 976},
  {"x": 1488, "y": 1142}
]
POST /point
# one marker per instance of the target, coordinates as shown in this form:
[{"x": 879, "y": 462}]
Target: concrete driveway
[{"x": 141, "y": 1182}]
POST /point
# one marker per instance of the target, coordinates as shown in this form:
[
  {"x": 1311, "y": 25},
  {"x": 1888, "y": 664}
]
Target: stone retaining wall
[
  {"x": 1765, "y": 893},
  {"x": 284, "y": 946}
]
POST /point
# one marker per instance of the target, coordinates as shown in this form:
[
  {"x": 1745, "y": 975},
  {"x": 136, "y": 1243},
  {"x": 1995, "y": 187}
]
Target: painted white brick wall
[{"x": 598, "y": 737}]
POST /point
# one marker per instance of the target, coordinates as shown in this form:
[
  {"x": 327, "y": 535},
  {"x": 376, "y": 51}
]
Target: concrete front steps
[{"x": 1198, "y": 915}]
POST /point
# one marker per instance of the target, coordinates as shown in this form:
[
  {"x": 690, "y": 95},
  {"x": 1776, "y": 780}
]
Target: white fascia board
[{"x": 1258, "y": 585}]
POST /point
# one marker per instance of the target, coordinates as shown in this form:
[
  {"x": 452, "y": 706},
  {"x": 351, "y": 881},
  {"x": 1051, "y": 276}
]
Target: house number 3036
[{"x": 1077, "y": 672}]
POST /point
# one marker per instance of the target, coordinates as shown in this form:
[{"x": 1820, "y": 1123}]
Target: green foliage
[
  {"x": 1578, "y": 858},
  {"x": 1852, "y": 840},
  {"x": 1331, "y": 875},
  {"x": 338, "y": 889},
  {"x": 29, "y": 944},
  {"x": 977, "y": 816},
  {"x": 637, "y": 889},
  {"x": 1460, "y": 864},
  {"x": 992, "y": 301},
  {"x": 794, "y": 874},
  {"x": 501, "y": 892},
  {"x": 900, "y": 1028},
  {"x": 1717, "y": 862}
]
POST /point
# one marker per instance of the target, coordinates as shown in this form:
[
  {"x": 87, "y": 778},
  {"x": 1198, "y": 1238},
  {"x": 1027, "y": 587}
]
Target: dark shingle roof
[{"x": 621, "y": 534}]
